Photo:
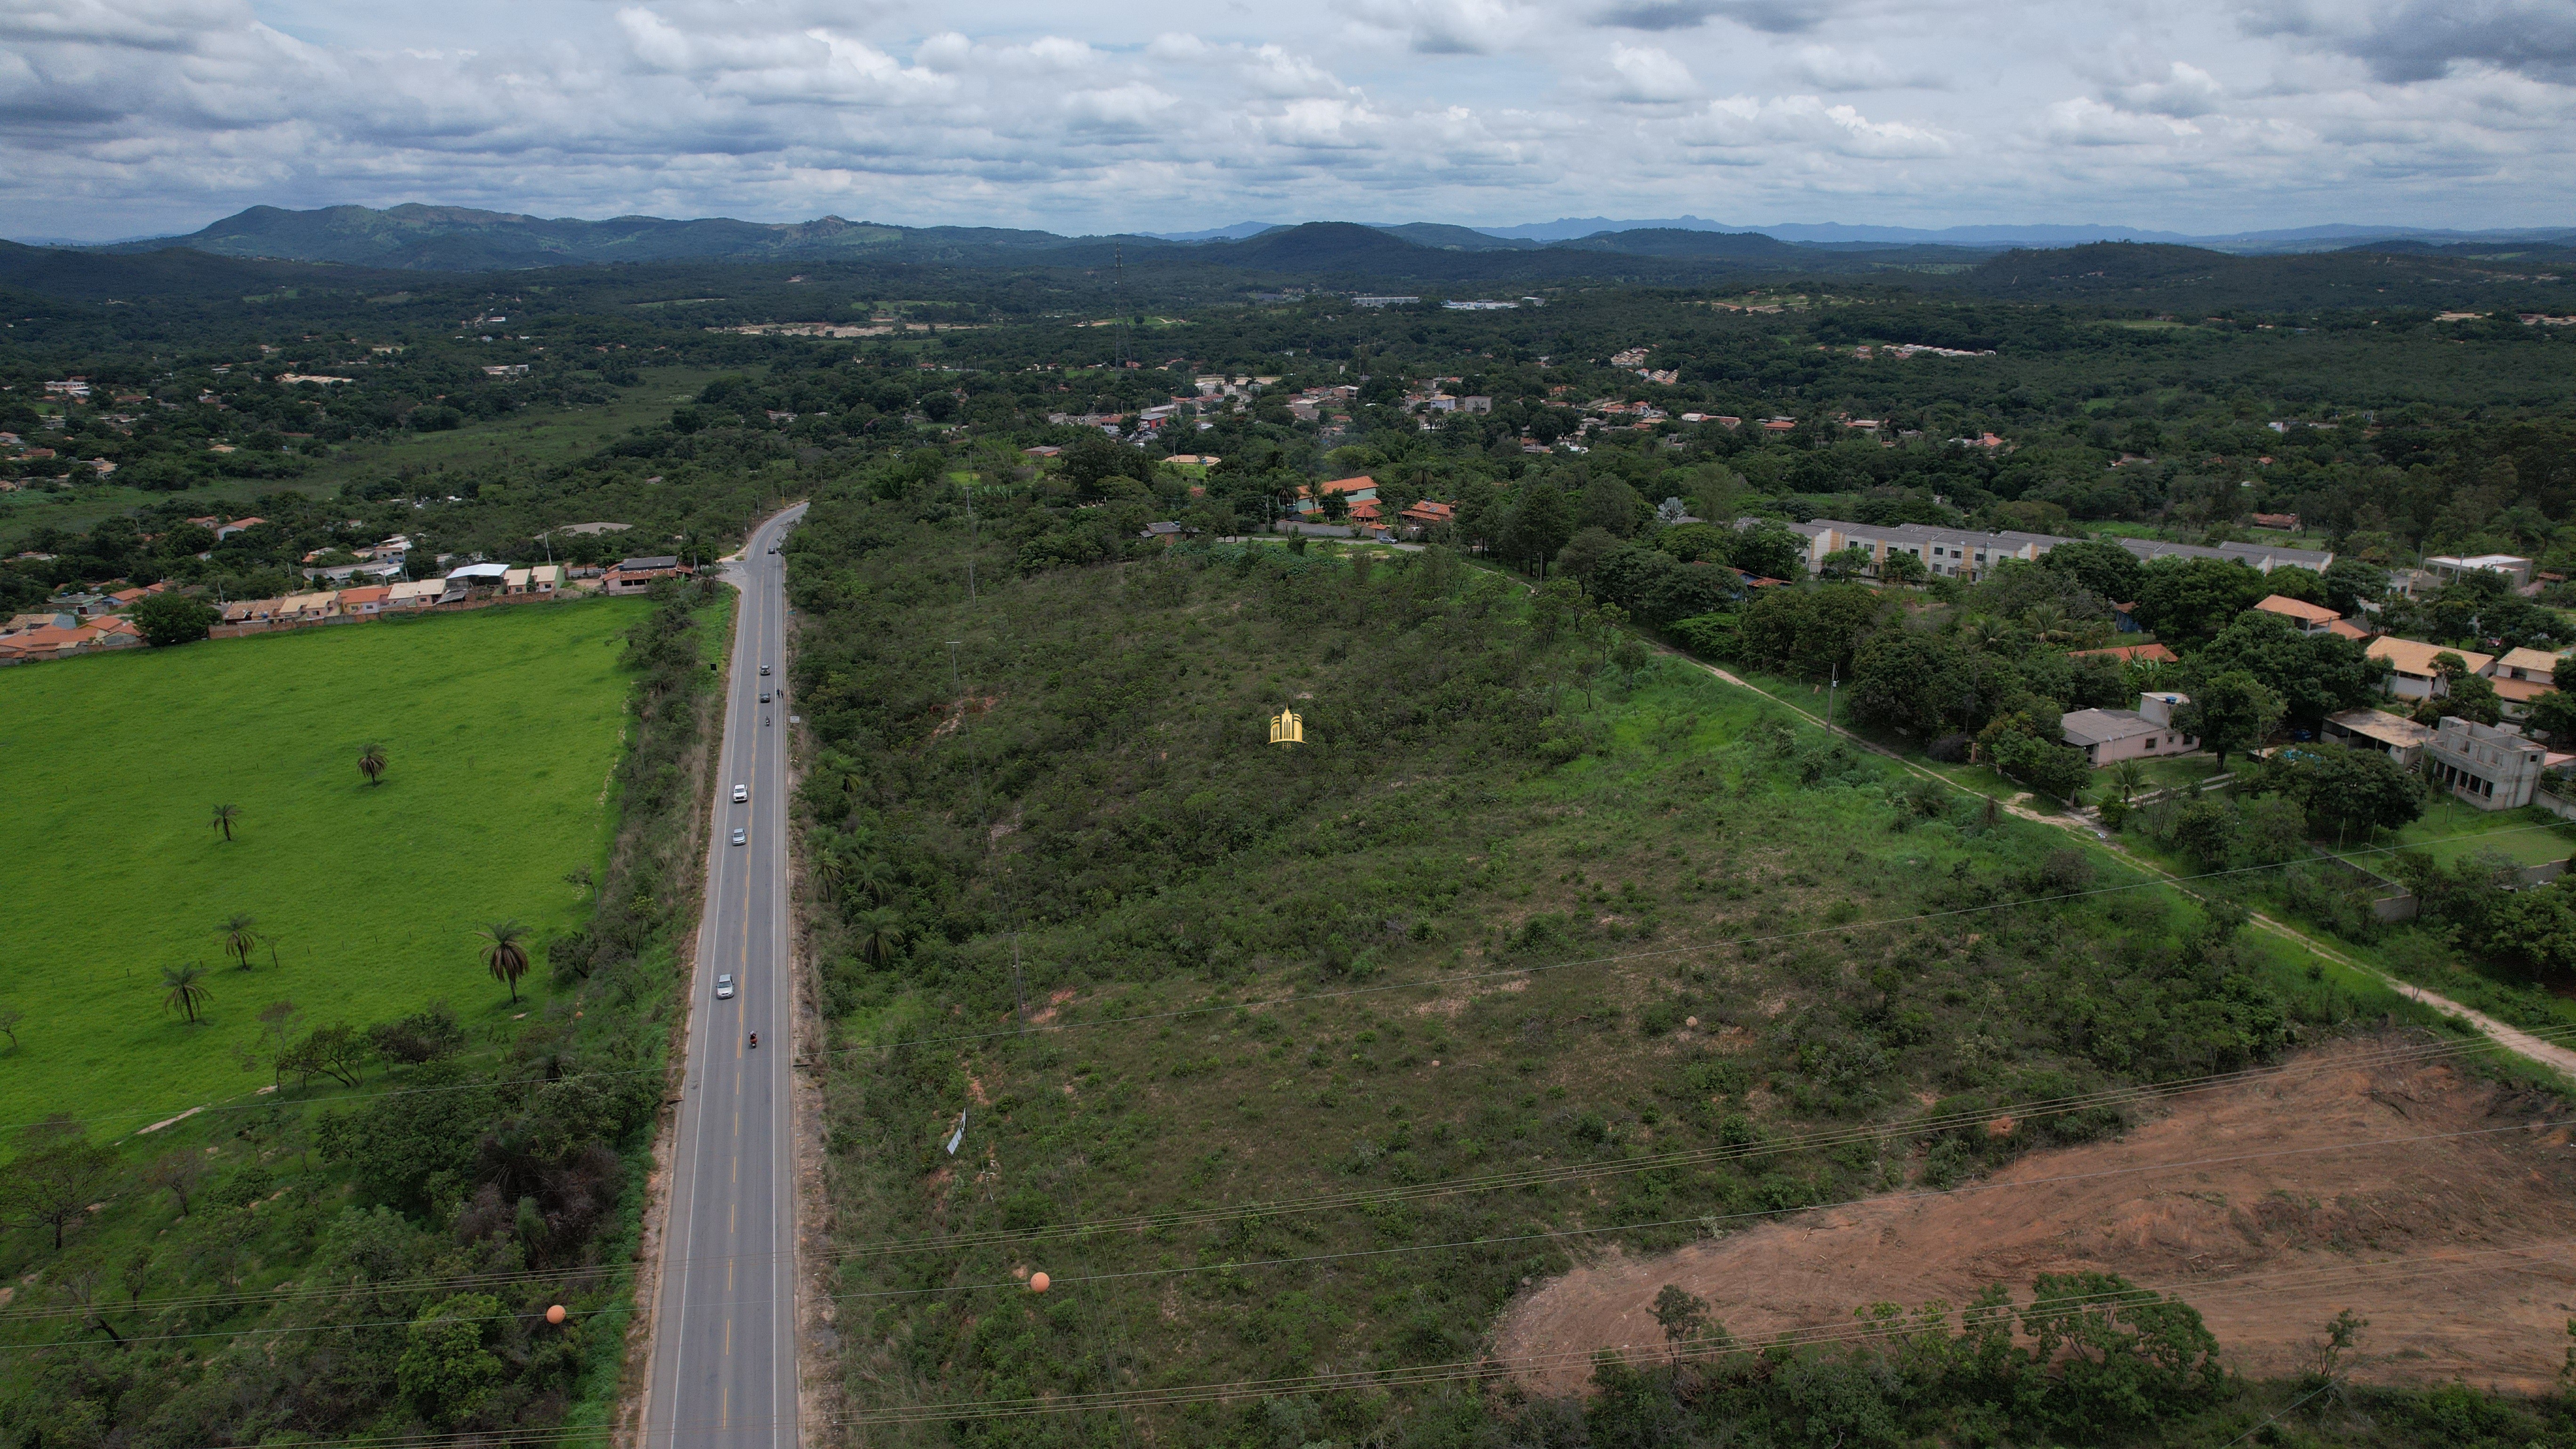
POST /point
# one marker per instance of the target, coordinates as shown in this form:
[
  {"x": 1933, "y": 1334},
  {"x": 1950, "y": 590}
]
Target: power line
[
  {"x": 1491, "y": 1367},
  {"x": 1696, "y": 1220},
  {"x": 1527, "y": 1177},
  {"x": 1466, "y": 978},
  {"x": 1817, "y": 1141},
  {"x": 1433, "y": 984}
]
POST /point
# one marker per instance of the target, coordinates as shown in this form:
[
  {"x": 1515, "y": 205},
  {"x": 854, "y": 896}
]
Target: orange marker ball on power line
[
  {"x": 1038, "y": 1282},
  {"x": 555, "y": 1315}
]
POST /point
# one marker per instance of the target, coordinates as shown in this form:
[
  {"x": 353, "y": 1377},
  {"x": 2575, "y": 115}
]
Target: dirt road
[
  {"x": 2458, "y": 1244},
  {"x": 2522, "y": 1044}
]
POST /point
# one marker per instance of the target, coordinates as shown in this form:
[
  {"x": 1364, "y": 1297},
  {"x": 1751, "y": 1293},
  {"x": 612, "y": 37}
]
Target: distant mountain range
[
  {"x": 454, "y": 238},
  {"x": 1981, "y": 238},
  {"x": 269, "y": 252}
]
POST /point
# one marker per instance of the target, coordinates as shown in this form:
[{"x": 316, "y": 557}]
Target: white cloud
[
  {"x": 2184, "y": 90},
  {"x": 1448, "y": 27},
  {"x": 1832, "y": 68},
  {"x": 1806, "y": 123},
  {"x": 1646, "y": 73},
  {"x": 126, "y": 116}
]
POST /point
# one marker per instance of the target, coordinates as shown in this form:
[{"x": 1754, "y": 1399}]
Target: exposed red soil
[{"x": 2459, "y": 1245}]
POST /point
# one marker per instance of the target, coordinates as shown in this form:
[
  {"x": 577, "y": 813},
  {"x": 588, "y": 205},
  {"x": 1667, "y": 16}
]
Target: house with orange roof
[
  {"x": 1362, "y": 489},
  {"x": 2311, "y": 618},
  {"x": 360, "y": 603},
  {"x": 2130, "y": 653}
]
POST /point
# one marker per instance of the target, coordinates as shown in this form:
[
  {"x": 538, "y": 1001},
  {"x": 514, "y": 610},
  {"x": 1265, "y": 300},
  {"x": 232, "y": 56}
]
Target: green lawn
[
  {"x": 2453, "y": 830},
  {"x": 501, "y": 727},
  {"x": 2162, "y": 774}
]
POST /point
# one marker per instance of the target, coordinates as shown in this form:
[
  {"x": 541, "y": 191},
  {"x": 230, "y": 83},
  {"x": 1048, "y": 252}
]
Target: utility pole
[
  {"x": 1834, "y": 682},
  {"x": 974, "y": 761},
  {"x": 970, "y": 540},
  {"x": 1019, "y": 990}
]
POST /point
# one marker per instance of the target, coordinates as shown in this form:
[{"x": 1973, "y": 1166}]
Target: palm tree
[
  {"x": 225, "y": 815},
  {"x": 2048, "y": 623},
  {"x": 868, "y": 878},
  {"x": 184, "y": 994},
  {"x": 2130, "y": 777},
  {"x": 504, "y": 956},
  {"x": 1985, "y": 633},
  {"x": 881, "y": 934},
  {"x": 241, "y": 937},
  {"x": 371, "y": 763}
]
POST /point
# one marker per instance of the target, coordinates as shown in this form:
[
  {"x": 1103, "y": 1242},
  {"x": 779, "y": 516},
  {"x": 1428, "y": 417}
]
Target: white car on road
[
  {"x": 724, "y": 988},
  {"x": 739, "y": 837},
  {"x": 741, "y": 793}
]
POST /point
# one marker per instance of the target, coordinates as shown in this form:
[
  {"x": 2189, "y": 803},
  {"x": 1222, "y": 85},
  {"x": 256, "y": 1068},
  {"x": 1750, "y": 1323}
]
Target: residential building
[
  {"x": 2261, "y": 557},
  {"x": 37, "y": 645},
  {"x": 237, "y": 526},
  {"x": 539, "y": 579},
  {"x": 2131, "y": 654},
  {"x": 1427, "y": 515},
  {"x": 635, "y": 575},
  {"x": 2493, "y": 767},
  {"x": 2393, "y": 735},
  {"x": 2311, "y": 618},
  {"x": 2535, "y": 665},
  {"x": 21, "y": 623},
  {"x": 2107, "y": 736},
  {"x": 379, "y": 569},
  {"x": 365, "y": 602},
  {"x": 252, "y": 611},
  {"x": 1163, "y": 531},
  {"x": 2411, "y": 662},
  {"x": 415, "y": 594},
  {"x": 2515, "y": 697},
  {"x": 1947, "y": 552},
  {"x": 1362, "y": 489},
  {"x": 2286, "y": 522},
  {"x": 305, "y": 608},
  {"x": 2447, "y": 567}
]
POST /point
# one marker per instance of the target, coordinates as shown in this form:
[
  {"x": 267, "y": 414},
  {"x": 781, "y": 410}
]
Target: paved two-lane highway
[{"x": 724, "y": 1314}]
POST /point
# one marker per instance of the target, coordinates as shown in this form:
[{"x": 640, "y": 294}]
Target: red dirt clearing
[{"x": 2458, "y": 1245}]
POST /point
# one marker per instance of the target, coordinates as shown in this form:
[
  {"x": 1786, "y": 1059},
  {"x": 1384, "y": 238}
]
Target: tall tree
[
  {"x": 224, "y": 817},
  {"x": 505, "y": 955},
  {"x": 2315, "y": 674},
  {"x": 57, "y": 1173},
  {"x": 2230, "y": 713},
  {"x": 2109, "y": 571},
  {"x": 167, "y": 619},
  {"x": 1540, "y": 524},
  {"x": 371, "y": 763},
  {"x": 183, "y": 992}
]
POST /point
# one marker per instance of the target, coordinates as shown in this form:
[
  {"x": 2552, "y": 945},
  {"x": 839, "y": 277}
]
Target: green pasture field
[
  {"x": 501, "y": 728},
  {"x": 2453, "y": 830},
  {"x": 536, "y": 437}
]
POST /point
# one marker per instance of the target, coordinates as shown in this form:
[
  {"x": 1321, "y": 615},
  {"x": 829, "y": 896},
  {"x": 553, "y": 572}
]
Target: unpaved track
[
  {"x": 2460, "y": 1251},
  {"x": 2522, "y": 1044}
]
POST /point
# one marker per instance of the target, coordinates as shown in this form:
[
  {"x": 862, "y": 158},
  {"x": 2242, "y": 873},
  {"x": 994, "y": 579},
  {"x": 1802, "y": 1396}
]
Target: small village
[{"x": 96, "y": 620}]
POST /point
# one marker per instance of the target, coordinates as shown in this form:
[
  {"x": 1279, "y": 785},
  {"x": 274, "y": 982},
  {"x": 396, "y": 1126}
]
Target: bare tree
[
  {"x": 9, "y": 1019},
  {"x": 176, "y": 1173}
]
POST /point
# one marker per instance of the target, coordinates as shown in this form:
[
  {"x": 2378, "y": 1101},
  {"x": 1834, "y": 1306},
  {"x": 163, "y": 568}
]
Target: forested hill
[{"x": 2147, "y": 274}]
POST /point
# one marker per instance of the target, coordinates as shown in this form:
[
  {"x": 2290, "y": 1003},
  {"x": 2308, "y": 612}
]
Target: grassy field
[
  {"x": 2453, "y": 830},
  {"x": 501, "y": 728},
  {"x": 536, "y": 437},
  {"x": 1505, "y": 912}
]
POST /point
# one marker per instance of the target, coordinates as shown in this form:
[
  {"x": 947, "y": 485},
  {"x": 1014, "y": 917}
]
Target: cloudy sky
[{"x": 129, "y": 117}]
